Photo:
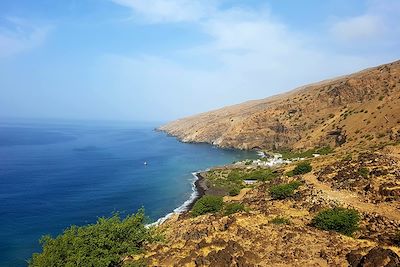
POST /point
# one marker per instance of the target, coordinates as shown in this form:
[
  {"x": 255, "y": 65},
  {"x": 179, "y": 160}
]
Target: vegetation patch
[
  {"x": 232, "y": 180},
  {"x": 364, "y": 172},
  {"x": 290, "y": 173},
  {"x": 342, "y": 220},
  {"x": 283, "y": 191},
  {"x": 287, "y": 154},
  {"x": 302, "y": 168},
  {"x": 232, "y": 208},
  {"x": 104, "y": 243},
  {"x": 280, "y": 220},
  {"x": 255, "y": 174},
  {"x": 234, "y": 191},
  {"x": 207, "y": 204}
]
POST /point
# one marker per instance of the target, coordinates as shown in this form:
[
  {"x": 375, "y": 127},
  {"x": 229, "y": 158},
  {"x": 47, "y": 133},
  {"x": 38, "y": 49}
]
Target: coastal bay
[{"x": 54, "y": 175}]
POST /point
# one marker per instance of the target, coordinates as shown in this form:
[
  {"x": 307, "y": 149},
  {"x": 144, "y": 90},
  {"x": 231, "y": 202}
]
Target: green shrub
[
  {"x": 287, "y": 154},
  {"x": 348, "y": 157},
  {"x": 280, "y": 220},
  {"x": 234, "y": 191},
  {"x": 324, "y": 150},
  {"x": 101, "y": 244},
  {"x": 341, "y": 220},
  {"x": 302, "y": 168},
  {"x": 290, "y": 173},
  {"x": 207, "y": 204},
  {"x": 283, "y": 191},
  {"x": 263, "y": 175},
  {"x": 232, "y": 208},
  {"x": 364, "y": 172}
]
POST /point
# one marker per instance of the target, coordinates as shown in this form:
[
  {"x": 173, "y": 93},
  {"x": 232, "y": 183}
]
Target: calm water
[{"x": 55, "y": 175}]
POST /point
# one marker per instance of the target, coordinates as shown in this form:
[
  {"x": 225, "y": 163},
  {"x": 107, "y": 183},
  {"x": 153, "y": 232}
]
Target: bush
[
  {"x": 324, "y": 150},
  {"x": 290, "y": 173},
  {"x": 364, "y": 172},
  {"x": 302, "y": 168},
  {"x": 341, "y": 220},
  {"x": 101, "y": 244},
  {"x": 287, "y": 154},
  {"x": 280, "y": 220},
  {"x": 232, "y": 208},
  {"x": 283, "y": 191},
  {"x": 234, "y": 191},
  {"x": 207, "y": 204}
]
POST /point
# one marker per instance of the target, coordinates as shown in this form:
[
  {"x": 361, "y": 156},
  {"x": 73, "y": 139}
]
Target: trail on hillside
[{"x": 352, "y": 199}]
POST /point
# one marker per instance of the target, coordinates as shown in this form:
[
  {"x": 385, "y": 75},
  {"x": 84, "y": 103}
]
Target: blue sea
[{"x": 54, "y": 174}]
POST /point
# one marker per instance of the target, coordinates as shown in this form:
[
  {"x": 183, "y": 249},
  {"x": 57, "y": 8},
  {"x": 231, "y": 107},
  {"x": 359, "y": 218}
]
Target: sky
[{"x": 159, "y": 60}]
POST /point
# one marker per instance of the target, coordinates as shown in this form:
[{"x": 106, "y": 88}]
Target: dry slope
[{"x": 355, "y": 110}]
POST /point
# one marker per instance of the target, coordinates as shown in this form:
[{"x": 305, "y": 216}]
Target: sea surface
[{"x": 54, "y": 174}]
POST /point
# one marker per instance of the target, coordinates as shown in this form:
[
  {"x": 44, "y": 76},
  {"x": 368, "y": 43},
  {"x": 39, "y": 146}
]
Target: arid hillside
[
  {"x": 358, "y": 110},
  {"x": 264, "y": 225}
]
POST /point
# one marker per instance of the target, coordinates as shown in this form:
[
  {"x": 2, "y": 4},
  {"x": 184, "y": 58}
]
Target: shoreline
[{"x": 198, "y": 190}]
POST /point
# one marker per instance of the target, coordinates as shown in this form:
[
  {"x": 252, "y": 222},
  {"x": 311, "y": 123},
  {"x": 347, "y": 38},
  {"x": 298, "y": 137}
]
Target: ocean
[{"x": 54, "y": 174}]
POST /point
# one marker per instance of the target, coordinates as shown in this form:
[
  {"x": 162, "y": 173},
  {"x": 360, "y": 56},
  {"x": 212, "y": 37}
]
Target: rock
[
  {"x": 354, "y": 258},
  {"x": 376, "y": 257}
]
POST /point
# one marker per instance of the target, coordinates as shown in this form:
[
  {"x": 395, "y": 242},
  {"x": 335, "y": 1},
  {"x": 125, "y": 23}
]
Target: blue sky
[{"x": 163, "y": 59}]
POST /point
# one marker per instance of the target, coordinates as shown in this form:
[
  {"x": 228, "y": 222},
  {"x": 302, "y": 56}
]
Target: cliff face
[{"x": 354, "y": 110}]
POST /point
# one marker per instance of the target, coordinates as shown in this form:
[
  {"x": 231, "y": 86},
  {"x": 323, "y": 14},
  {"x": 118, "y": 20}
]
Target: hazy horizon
[{"x": 160, "y": 60}]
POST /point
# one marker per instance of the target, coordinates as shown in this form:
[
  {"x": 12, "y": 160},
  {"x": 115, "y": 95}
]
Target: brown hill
[{"x": 357, "y": 110}]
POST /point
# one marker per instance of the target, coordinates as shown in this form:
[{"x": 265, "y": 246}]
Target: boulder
[{"x": 376, "y": 257}]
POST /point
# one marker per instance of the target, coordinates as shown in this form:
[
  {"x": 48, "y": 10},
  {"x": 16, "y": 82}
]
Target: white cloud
[
  {"x": 20, "y": 36},
  {"x": 170, "y": 10},
  {"x": 378, "y": 24},
  {"x": 360, "y": 28},
  {"x": 250, "y": 55}
]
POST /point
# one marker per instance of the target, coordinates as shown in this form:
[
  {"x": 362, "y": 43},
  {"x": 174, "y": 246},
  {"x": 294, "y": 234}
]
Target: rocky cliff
[{"x": 353, "y": 110}]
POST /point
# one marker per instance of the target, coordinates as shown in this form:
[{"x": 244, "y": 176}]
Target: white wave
[{"x": 182, "y": 208}]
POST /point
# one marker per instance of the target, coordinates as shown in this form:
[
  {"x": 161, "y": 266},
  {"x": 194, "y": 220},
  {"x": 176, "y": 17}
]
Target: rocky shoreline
[{"x": 200, "y": 187}]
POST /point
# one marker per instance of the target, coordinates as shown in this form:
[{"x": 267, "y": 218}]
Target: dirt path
[{"x": 353, "y": 199}]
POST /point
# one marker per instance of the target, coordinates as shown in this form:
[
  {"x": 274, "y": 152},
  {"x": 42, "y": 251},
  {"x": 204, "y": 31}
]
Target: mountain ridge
[{"x": 349, "y": 110}]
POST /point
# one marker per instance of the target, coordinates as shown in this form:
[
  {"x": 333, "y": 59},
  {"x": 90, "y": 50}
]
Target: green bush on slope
[
  {"x": 283, "y": 191},
  {"x": 302, "y": 168},
  {"x": 234, "y": 191},
  {"x": 341, "y": 220},
  {"x": 207, "y": 204},
  {"x": 232, "y": 208},
  {"x": 101, "y": 244}
]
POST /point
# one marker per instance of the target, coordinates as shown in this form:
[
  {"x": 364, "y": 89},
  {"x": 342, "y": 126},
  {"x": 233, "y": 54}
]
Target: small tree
[
  {"x": 232, "y": 208},
  {"x": 234, "y": 191},
  {"x": 341, "y": 220},
  {"x": 101, "y": 244},
  {"x": 207, "y": 204},
  {"x": 283, "y": 191},
  {"x": 302, "y": 168}
]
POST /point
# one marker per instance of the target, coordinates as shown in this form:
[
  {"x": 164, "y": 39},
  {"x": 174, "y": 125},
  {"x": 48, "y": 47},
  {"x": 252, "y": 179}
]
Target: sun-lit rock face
[{"x": 354, "y": 110}]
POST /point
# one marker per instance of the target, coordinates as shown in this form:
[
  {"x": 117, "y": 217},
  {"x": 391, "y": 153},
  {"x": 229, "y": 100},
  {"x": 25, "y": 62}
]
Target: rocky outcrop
[
  {"x": 372, "y": 175},
  {"x": 377, "y": 256}
]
